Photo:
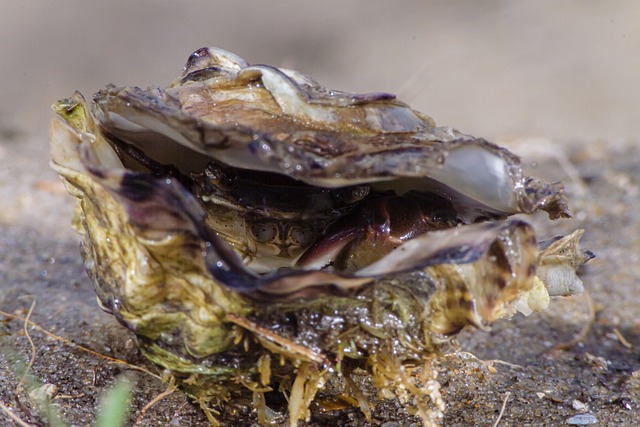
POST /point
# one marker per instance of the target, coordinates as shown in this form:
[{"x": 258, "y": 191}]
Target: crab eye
[
  {"x": 265, "y": 232},
  {"x": 214, "y": 174}
]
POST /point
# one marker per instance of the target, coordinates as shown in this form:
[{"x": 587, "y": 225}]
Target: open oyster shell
[{"x": 262, "y": 234}]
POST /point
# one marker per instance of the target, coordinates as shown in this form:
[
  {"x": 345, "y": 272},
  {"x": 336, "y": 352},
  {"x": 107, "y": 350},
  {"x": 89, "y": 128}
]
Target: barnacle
[{"x": 261, "y": 234}]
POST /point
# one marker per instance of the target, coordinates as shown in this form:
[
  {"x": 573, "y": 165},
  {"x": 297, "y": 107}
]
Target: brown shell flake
[{"x": 261, "y": 234}]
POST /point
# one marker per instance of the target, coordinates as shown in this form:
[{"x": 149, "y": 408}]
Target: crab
[{"x": 261, "y": 234}]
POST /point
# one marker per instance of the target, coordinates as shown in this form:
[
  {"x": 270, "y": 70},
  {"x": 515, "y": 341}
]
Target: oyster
[{"x": 261, "y": 234}]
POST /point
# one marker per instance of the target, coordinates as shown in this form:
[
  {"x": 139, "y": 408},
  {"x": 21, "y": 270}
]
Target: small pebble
[
  {"x": 582, "y": 420},
  {"x": 579, "y": 406},
  {"x": 43, "y": 393}
]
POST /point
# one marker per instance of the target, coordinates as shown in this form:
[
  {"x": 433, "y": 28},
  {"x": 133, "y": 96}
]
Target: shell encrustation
[{"x": 261, "y": 235}]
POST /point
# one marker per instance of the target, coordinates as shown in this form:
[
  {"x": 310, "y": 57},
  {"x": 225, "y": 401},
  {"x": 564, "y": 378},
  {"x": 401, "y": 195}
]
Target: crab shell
[{"x": 160, "y": 268}]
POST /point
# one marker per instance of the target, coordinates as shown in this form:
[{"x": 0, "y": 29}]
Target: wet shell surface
[{"x": 263, "y": 235}]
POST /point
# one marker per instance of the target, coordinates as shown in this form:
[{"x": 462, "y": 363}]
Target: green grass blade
[{"x": 114, "y": 406}]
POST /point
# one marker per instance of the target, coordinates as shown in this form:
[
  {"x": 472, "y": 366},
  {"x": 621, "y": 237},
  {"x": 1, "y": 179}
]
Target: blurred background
[
  {"x": 565, "y": 70},
  {"x": 557, "y": 77}
]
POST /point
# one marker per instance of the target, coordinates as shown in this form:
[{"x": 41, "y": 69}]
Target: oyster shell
[{"x": 259, "y": 232}]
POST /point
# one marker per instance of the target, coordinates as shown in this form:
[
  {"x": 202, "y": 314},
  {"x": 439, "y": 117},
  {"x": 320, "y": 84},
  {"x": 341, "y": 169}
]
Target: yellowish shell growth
[{"x": 264, "y": 236}]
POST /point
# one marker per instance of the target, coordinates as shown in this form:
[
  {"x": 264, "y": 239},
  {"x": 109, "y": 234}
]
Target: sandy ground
[{"x": 556, "y": 81}]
